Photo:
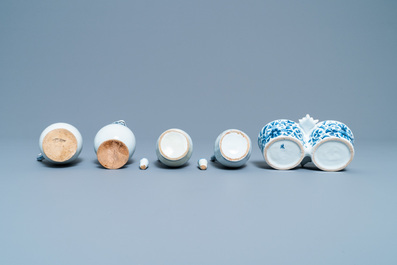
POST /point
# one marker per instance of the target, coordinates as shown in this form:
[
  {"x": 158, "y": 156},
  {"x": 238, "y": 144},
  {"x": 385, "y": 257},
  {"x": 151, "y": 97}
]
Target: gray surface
[
  {"x": 84, "y": 214},
  {"x": 185, "y": 64},
  {"x": 204, "y": 67}
]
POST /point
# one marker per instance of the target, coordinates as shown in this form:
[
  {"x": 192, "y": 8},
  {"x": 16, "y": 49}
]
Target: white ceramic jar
[
  {"x": 114, "y": 145},
  {"x": 174, "y": 148},
  {"x": 60, "y": 143},
  {"x": 282, "y": 144},
  {"x": 232, "y": 148}
]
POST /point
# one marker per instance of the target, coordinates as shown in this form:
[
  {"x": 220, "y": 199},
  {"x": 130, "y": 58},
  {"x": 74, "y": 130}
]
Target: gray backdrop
[{"x": 204, "y": 67}]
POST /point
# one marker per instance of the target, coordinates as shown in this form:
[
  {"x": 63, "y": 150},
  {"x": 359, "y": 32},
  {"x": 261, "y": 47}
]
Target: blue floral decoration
[
  {"x": 327, "y": 129},
  {"x": 279, "y": 128}
]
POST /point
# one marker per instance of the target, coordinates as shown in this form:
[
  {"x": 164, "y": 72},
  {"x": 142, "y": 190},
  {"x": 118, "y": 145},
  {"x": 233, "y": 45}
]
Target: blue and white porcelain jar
[
  {"x": 232, "y": 148},
  {"x": 332, "y": 145},
  {"x": 328, "y": 144},
  {"x": 282, "y": 144}
]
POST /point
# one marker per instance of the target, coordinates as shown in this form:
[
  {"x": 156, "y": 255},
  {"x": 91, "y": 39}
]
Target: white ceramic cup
[
  {"x": 232, "y": 148},
  {"x": 114, "y": 145},
  {"x": 174, "y": 147},
  {"x": 60, "y": 143}
]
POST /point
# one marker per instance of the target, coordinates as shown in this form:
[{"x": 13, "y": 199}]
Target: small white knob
[
  {"x": 202, "y": 163},
  {"x": 144, "y": 164}
]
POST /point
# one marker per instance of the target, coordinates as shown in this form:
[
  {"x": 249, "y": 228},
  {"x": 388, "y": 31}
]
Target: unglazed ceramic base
[
  {"x": 59, "y": 145},
  {"x": 116, "y": 131},
  {"x": 284, "y": 153},
  {"x": 332, "y": 154},
  {"x": 113, "y": 154},
  {"x": 234, "y": 145},
  {"x": 173, "y": 145}
]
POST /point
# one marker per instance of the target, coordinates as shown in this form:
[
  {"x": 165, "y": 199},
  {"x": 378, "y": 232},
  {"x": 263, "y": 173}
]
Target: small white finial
[
  {"x": 202, "y": 164},
  {"x": 144, "y": 164},
  {"x": 307, "y": 123}
]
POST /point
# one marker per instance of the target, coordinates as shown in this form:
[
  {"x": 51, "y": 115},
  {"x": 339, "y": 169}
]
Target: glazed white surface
[
  {"x": 116, "y": 132},
  {"x": 234, "y": 146},
  {"x": 174, "y": 143},
  {"x": 70, "y": 128},
  {"x": 332, "y": 155},
  {"x": 283, "y": 154}
]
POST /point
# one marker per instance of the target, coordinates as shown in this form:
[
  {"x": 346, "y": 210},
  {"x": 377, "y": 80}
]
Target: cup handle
[
  {"x": 213, "y": 158},
  {"x": 40, "y": 157}
]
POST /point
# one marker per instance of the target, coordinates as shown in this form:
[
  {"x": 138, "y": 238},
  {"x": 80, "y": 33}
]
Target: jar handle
[
  {"x": 121, "y": 122},
  {"x": 213, "y": 158},
  {"x": 40, "y": 157}
]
